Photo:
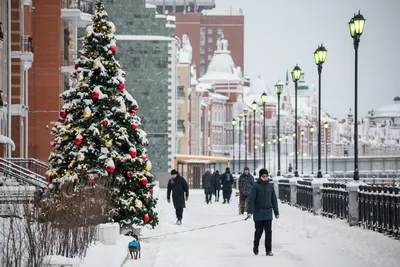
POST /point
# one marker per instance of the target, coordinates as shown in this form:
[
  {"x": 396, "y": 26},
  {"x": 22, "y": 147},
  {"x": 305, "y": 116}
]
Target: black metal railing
[
  {"x": 85, "y": 6},
  {"x": 335, "y": 200},
  {"x": 379, "y": 209},
  {"x": 304, "y": 197},
  {"x": 34, "y": 165},
  {"x": 284, "y": 190}
]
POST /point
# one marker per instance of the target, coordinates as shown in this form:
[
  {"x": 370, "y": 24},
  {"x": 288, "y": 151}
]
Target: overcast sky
[{"x": 281, "y": 33}]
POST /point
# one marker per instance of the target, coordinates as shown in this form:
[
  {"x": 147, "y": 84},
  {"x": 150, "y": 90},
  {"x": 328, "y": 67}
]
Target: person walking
[
  {"x": 227, "y": 183},
  {"x": 246, "y": 181},
  {"x": 208, "y": 185},
  {"x": 217, "y": 185},
  {"x": 179, "y": 188},
  {"x": 261, "y": 204},
  {"x": 290, "y": 169}
]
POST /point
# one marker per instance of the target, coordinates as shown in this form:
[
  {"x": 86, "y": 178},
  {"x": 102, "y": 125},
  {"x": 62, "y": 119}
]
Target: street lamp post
[
  {"x": 319, "y": 57},
  {"x": 233, "y": 145},
  {"x": 312, "y": 149},
  {"x": 274, "y": 140},
  {"x": 326, "y": 126},
  {"x": 269, "y": 155},
  {"x": 239, "y": 119},
  {"x": 296, "y": 73},
  {"x": 264, "y": 97},
  {"x": 286, "y": 138},
  {"x": 356, "y": 26},
  {"x": 302, "y": 149},
  {"x": 254, "y": 107},
  {"x": 245, "y": 113},
  {"x": 278, "y": 90}
]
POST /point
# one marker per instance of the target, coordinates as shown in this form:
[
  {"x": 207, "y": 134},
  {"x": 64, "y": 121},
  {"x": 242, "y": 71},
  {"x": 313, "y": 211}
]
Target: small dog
[{"x": 134, "y": 247}]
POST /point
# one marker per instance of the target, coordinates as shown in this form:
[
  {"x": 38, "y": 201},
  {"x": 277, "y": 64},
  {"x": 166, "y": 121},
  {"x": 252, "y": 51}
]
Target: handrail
[
  {"x": 20, "y": 173},
  {"x": 37, "y": 166}
]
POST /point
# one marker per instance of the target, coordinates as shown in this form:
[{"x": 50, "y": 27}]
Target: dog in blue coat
[{"x": 134, "y": 247}]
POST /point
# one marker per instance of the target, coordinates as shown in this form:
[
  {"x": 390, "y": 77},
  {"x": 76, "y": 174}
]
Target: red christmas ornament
[
  {"x": 144, "y": 158},
  {"x": 63, "y": 114},
  {"x": 151, "y": 190},
  {"x": 135, "y": 107},
  {"x": 95, "y": 95},
  {"x": 76, "y": 67},
  {"x": 133, "y": 112},
  {"x": 110, "y": 169},
  {"x": 137, "y": 185},
  {"x": 128, "y": 174},
  {"x": 144, "y": 181},
  {"x": 113, "y": 48},
  {"x": 54, "y": 144},
  {"x": 146, "y": 218},
  {"x": 105, "y": 123},
  {"x": 121, "y": 86},
  {"x": 134, "y": 126},
  {"x": 91, "y": 180},
  {"x": 48, "y": 179},
  {"x": 59, "y": 184},
  {"x": 78, "y": 141},
  {"x": 132, "y": 152},
  {"x": 84, "y": 88}
]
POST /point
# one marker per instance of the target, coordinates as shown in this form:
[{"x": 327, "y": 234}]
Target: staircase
[{"x": 15, "y": 172}]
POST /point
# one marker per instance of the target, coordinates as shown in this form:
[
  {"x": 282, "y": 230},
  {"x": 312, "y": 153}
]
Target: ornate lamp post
[
  {"x": 287, "y": 152},
  {"x": 245, "y": 113},
  {"x": 233, "y": 145},
  {"x": 239, "y": 119},
  {"x": 254, "y": 107},
  {"x": 319, "y": 57},
  {"x": 312, "y": 149},
  {"x": 278, "y": 90},
  {"x": 264, "y": 98},
  {"x": 296, "y": 73},
  {"x": 356, "y": 26},
  {"x": 302, "y": 149},
  {"x": 326, "y": 126}
]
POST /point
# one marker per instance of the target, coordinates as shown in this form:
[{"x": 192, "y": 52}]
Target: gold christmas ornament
[
  {"x": 138, "y": 204},
  {"x": 80, "y": 77},
  {"x": 148, "y": 166},
  {"x": 96, "y": 64},
  {"x": 104, "y": 27},
  {"x": 87, "y": 112},
  {"x": 109, "y": 143}
]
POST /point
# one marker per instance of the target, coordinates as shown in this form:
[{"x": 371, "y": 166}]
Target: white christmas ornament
[
  {"x": 112, "y": 26},
  {"x": 138, "y": 204},
  {"x": 87, "y": 112},
  {"x": 81, "y": 156},
  {"x": 89, "y": 31}
]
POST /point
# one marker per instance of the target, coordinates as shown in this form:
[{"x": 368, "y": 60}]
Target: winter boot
[
  {"x": 270, "y": 253},
  {"x": 255, "y": 250}
]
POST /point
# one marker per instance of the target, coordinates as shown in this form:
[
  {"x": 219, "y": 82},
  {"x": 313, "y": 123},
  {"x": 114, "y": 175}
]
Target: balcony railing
[
  {"x": 85, "y": 6},
  {"x": 37, "y": 166},
  {"x": 181, "y": 126},
  {"x": 26, "y": 44},
  {"x": 181, "y": 92}
]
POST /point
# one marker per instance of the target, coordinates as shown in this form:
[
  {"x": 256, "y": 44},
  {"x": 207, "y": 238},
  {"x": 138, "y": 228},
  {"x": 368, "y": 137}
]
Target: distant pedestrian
[
  {"x": 179, "y": 187},
  {"x": 227, "y": 183},
  {"x": 217, "y": 185},
  {"x": 208, "y": 185},
  {"x": 246, "y": 181},
  {"x": 261, "y": 204},
  {"x": 290, "y": 169}
]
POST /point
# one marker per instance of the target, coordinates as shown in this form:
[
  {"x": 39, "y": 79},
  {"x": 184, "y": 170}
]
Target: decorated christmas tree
[{"x": 98, "y": 132}]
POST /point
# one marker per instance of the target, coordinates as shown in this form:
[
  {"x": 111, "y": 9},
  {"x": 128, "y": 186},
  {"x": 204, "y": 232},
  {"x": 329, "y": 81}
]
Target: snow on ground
[{"x": 299, "y": 239}]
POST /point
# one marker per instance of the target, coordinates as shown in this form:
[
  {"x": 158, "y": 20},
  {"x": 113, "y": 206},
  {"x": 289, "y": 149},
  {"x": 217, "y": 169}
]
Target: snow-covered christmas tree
[{"x": 98, "y": 133}]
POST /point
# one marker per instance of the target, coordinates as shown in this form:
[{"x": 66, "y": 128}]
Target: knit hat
[
  {"x": 246, "y": 168},
  {"x": 173, "y": 172},
  {"x": 262, "y": 172},
  {"x": 227, "y": 169}
]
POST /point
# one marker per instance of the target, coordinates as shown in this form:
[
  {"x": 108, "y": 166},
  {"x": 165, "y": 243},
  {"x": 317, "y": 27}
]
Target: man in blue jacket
[{"x": 261, "y": 204}]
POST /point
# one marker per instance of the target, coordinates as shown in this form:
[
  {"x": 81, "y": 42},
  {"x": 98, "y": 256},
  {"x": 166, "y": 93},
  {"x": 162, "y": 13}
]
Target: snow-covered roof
[
  {"x": 6, "y": 140},
  {"x": 218, "y": 96},
  {"x": 185, "y": 53},
  {"x": 143, "y": 38},
  {"x": 389, "y": 111},
  {"x": 222, "y": 68},
  {"x": 150, "y": 6}
]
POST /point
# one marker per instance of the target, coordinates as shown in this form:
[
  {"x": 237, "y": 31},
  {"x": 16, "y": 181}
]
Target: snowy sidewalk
[{"x": 299, "y": 239}]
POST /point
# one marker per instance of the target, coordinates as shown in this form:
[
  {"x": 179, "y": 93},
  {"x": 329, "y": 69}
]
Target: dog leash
[{"x": 194, "y": 229}]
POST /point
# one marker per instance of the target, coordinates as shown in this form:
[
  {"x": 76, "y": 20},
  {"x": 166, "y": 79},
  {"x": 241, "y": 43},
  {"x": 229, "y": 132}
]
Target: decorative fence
[
  {"x": 335, "y": 200},
  {"x": 379, "y": 209},
  {"x": 284, "y": 191},
  {"x": 304, "y": 199}
]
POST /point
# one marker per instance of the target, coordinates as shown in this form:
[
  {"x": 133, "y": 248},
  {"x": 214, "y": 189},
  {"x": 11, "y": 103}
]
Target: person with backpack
[{"x": 227, "y": 183}]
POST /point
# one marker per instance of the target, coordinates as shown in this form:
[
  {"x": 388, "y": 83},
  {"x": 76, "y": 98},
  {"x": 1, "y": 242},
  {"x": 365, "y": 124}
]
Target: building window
[
  {"x": 209, "y": 31},
  {"x": 202, "y": 50},
  {"x": 210, "y": 48},
  {"x": 210, "y": 40},
  {"x": 202, "y": 30},
  {"x": 220, "y": 31},
  {"x": 210, "y": 57},
  {"x": 202, "y": 70}
]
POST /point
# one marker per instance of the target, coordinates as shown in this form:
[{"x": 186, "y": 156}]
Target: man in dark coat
[
  {"x": 179, "y": 187},
  {"x": 246, "y": 181},
  {"x": 208, "y": 185},
  {"x": 217, "y": 185},
  {"x": 227, "y": 182},
  {"x": 261, "y": 204}
]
